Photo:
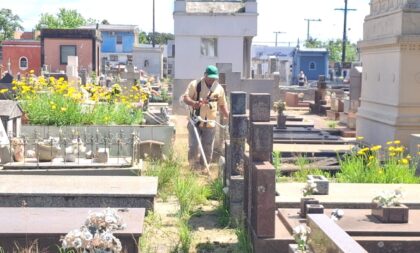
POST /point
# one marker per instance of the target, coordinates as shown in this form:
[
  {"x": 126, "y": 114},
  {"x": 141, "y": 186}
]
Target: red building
[{"x": 24, "y": 56}]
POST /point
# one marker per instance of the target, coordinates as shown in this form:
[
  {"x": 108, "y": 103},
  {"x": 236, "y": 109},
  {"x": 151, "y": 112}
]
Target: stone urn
[
  {"x": 391, "y": 214},
  {"x": 281, "y": 120},
  {"x": 46, "y": 152},
  {"x": 18, "y": 149}
]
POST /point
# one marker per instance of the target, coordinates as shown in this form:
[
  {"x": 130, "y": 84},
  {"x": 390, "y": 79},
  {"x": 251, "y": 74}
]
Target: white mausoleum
[{"x": 390, "y": 53}]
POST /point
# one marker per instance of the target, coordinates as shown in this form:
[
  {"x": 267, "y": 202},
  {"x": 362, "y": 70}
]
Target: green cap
[{"x": 212, "y": 72}]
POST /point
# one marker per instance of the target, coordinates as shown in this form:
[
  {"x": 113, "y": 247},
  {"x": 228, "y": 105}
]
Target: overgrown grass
[
  {"x": 277, "y": 163},
  {"x": 152, "y": 224},
  {"x": 244, "y": 240},
  {"x": 189, "y": 193},
  {"x": 185, "y": 237},
  {"x": 167, "y": 171}
]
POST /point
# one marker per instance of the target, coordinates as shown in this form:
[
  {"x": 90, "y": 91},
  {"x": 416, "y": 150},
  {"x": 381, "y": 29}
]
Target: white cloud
[{"x": 274, "y": 15}]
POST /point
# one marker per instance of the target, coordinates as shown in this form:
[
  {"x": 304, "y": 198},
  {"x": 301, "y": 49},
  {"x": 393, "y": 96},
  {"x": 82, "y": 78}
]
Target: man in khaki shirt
[{"x": 206, "y": 97}]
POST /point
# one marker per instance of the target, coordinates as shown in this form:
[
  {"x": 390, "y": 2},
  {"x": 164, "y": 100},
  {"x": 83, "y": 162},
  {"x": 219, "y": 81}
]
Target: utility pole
[
  {"x": 153, "y": 32},
  {"x": 309, "y": 22},
  {"x": 276, "y": 36},
  {"x": 343, "y": 47}
]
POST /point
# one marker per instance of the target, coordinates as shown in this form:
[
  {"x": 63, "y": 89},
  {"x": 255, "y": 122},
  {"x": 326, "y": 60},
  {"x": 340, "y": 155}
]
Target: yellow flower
[
  {"x": 397, "y": 142},
  {"x": 53, "y": 107},
  {"x": 408, "y": 157},
  {"x": 376, "y": 148},
  {"x": 371, "y": 157},
  {"x": 364, "y": 150},
  {"x": 399, "y": 149},
  {"x": 391, "y": 149},
  {"x": 360, "y": 138},
  {"x": 392, "y": 154},
  {"x": 3, "y": 91},
  {"x": 389, "y": 143},
  {"x": 404, "y": 161},
  {"x": 361, "y": 152},
  {"x": 31, "y": 71},
  {"x": 63, "y": 109}
]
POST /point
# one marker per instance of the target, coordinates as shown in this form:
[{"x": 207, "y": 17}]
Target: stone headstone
[
  {"x": 8, "y": 78},
  {"x": 259, "y": 107},
  {"x": 238, "y": 102},
  {"x": 261, "y": 141}
]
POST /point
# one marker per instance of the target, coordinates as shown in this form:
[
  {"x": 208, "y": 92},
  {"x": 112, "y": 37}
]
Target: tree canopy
[
  {"x": 334, "y": 49},
  {"x": 65, "y": 18},
  {"x": 160, "y": 38},
  {"x": 9, "y": 24}
]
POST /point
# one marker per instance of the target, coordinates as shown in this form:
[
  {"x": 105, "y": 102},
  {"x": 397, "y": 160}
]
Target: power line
[{"x": 343, "y": 47}]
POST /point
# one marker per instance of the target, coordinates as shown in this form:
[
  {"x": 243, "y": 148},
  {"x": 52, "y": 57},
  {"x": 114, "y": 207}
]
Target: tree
[
  {"x": 335, "y": 48},
  {"x": 9, "y": 24},
  {"x": 160, "y": 38},
  {"x": 63, "y": 19}
]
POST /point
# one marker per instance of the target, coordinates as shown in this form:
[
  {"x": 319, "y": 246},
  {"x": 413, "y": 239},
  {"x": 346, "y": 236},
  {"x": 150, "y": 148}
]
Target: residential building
[
  {"x": 118, "y": 42},
  {"x": 149, "y": 59},
  {"x": 312, "y": 61},
  {"x": 58, "y": 44},
  {"x": 23, "y": 55},
  {"x": 212, "y": 32},
  {"x": 267, "y": 60}
]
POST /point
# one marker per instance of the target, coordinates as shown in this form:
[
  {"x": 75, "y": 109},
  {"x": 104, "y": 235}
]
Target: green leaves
[
  {"x": 63, "y": 19},
  {"x": 9, "y": 23}
]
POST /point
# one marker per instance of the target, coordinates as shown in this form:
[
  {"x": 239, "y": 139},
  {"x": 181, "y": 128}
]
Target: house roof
[
  {"x": 10, "y": 109},
  {"x": 110, "y": 27},
  {"x": 313, "y": 49}
]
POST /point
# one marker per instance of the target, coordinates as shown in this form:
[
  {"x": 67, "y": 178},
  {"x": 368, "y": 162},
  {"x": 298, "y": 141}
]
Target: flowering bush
[
  {"x": 96, "y": 233},
  {"x": 300, "y": 234},
  {"x": 55, "y": 102},
  {"x": 389, "y": 198}
]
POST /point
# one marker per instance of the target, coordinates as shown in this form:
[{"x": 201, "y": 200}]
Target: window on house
[
  {"x": 209, "y": 47},
  {"x": 146, "y": 63},
  {"x": 65, "y": 51},
  {"x": 312, "y": 66},
  {"x": 113, "y": 57},
  {"x": 119, "y": 39},
  {"x": 23, "y": 63},
  {"x": 173, "y": 51}
]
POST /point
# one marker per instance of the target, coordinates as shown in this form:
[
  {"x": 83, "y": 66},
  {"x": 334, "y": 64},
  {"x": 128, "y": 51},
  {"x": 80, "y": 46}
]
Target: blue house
[
  {"x": 118, "y": 42},
  {"x": 312, "y": 61}
]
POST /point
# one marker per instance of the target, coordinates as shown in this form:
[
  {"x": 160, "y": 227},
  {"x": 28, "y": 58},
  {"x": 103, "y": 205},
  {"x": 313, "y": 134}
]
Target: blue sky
[{"x": 274, "y": 15}]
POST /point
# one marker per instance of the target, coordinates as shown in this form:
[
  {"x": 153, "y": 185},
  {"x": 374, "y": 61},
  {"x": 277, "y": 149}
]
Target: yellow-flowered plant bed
[
  {"x": 378, "y": 164},
  {"x": 55, "y": 102}
]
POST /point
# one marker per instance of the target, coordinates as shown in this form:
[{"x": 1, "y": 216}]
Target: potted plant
[
  {"x": 279, "y": 107},
  {"x": 387, "y": 207},
  {"x": 300, "y": 234},
  {"x": 309, "y": 189}
]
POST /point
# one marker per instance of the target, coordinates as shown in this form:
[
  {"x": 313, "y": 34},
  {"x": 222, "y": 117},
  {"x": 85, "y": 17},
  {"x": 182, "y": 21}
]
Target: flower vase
[
  {"x": 281, "y": 121},
  {"x": 391, "y": 214}
]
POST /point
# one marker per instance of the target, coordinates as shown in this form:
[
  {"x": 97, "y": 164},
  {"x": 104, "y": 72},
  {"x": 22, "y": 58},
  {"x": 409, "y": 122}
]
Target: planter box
[
  {"x": 394, "y": 214},
  {"x": 322, "y": 184}
]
